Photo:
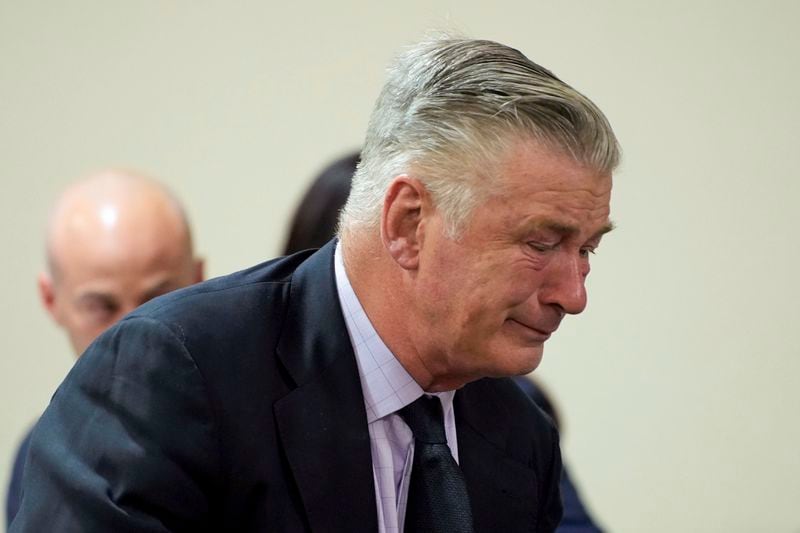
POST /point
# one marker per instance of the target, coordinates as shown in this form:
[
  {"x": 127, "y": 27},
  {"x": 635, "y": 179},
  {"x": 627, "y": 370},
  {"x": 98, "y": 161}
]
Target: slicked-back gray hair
[{"x": 449, "y": 109}]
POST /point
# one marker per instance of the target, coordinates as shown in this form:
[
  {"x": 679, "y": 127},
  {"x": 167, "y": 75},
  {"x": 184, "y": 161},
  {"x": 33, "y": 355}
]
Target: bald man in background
[{"x": 115, "y": 240}]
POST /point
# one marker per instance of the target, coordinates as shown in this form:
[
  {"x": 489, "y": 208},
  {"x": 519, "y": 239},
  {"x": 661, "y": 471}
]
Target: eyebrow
[
  {"x": 163, "y": 287},
  {"x": 158, "y": 289},
  {"x": 608, "y": 227},
  {"x": 568, "y": 229},
  {"x": 96, "y": 296}
]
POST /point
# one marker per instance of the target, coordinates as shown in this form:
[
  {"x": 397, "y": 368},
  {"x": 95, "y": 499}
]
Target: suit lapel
[
  {"x": 323, "y": 423},
  {"x": 502, "y": 488}
]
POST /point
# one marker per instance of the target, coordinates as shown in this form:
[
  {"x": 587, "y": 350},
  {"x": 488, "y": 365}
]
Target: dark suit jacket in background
[
  {"x": 235, "y": 405},
  {"x": 576, "y": 517},
  {"x": 14, "y": 495}
]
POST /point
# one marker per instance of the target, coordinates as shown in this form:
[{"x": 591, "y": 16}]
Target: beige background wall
[{"x": 679, "y": 385}]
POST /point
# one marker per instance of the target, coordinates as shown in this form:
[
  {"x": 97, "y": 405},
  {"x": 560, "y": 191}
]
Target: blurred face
[
  {"x": 88, "y": 298},
  {"x": 104, "y": 274},
  {"x": 494, "y": 297}
]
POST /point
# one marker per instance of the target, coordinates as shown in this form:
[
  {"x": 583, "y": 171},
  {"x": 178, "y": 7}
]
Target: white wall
[{"x": 679, "y": 385}]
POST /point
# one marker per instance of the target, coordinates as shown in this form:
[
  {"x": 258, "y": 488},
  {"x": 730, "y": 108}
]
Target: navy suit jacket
[
  {"x": 235, "y": 405},
  {"x": 576, "y": 517},
  {"x": 14, "y": 495}
]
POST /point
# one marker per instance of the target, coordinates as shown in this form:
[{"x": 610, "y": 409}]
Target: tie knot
[{"x": 425, "y": 418}]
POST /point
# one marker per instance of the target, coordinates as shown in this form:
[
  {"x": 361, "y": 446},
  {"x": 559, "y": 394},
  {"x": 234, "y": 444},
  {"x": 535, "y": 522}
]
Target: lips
[{"x": 544, "y": 330}]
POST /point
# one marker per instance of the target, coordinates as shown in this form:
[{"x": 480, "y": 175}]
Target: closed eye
[
  {"x": 586, "y": 250},
  {"x": 98, "y": 307},
  {"x": 541, "y": 247}
]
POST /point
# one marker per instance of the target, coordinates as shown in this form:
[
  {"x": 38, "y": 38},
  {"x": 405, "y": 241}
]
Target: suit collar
[
  {"x": 322, "y": 423},
  {"x": 314, "y": 334}
]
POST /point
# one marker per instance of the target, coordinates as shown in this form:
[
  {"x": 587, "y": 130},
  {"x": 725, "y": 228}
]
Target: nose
[{"x": 565, "y": 286}]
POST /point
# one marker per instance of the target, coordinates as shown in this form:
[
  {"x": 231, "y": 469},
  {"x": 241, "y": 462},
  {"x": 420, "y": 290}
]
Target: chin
[
  {"x": 519, "y": 365},
  {"x": 529, "y": 361},
  {"x": 531, "y": 368}
]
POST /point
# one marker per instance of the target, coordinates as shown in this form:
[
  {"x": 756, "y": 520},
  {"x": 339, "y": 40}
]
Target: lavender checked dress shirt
[{"x": 387, "y": 388}]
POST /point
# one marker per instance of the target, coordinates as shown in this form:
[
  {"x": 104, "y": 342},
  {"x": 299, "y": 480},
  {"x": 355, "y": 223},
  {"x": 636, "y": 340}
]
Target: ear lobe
[
  {"x": 47, "y": 294},
  {"x": 401, "y": 221}
]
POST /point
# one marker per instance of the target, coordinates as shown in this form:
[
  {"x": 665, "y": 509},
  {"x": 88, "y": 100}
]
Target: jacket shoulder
[{"x": 264, "y": 277}]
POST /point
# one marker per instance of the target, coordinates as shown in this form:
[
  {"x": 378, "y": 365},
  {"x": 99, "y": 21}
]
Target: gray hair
[{"x": 449, "y": 109}]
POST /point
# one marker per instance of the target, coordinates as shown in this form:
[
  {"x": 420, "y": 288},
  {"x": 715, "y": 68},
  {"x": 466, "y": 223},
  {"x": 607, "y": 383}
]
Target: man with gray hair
[{"x": 361, "y": 387}]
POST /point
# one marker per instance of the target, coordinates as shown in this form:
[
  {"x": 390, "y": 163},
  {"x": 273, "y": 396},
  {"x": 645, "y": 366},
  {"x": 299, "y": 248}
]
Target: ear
[
  {"x": 47, "y": 294},
  {"x": 404, "y": 208},
  {"x": 199, "y": 273}
]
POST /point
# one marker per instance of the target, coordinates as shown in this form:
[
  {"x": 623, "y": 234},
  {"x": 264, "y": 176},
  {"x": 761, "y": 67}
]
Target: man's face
[
  {"x": 492, "y": 298},
  {"x": 101, "y": 281}
]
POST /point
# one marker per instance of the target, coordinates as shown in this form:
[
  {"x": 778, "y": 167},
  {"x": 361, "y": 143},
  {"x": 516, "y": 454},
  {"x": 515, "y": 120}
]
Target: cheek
[
  {"x": 485, "y": 310},
  {"x": 521, "y": 284},
  {"x": 86, "y": 333},
  {"x": 496, "y": 288}
]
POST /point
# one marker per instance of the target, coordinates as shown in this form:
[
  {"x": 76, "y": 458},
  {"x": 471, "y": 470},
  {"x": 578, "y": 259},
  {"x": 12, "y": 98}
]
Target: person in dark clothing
[
  {"x": 115, "y": 239},
  {"x": 314, "y": 223},
  {"x": 362, "y": 386}
]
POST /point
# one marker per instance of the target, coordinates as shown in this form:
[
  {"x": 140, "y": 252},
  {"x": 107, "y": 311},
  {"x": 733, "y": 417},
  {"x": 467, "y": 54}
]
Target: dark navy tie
[{"x": 437, "y": 493}]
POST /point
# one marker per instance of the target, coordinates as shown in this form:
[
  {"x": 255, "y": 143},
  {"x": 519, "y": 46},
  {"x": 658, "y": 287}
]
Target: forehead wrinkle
[{"x": 549, "y": 168}]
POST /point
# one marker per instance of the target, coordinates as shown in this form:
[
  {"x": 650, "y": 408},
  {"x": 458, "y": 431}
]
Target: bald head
[{"x": 114, "y": 240}]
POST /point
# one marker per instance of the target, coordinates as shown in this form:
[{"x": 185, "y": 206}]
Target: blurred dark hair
[{"x": 314, "y": 221}]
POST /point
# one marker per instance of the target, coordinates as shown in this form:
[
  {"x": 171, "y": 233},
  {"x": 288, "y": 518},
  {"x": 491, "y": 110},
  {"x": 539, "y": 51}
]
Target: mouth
[{"x": 540, "y": 333}]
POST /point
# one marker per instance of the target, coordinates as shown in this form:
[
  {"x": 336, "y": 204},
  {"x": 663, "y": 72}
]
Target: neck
[{"x": 384, "y": 291}]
